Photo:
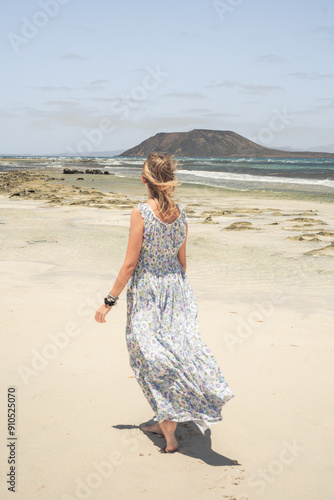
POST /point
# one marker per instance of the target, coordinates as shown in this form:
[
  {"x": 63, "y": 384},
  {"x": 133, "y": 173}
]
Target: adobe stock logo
[
  {"x": 31, "y": 27},
  {"x": 226, "y": 7},
  {"x": 278, "y": 122}
]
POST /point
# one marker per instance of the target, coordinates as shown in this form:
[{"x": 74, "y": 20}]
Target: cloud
[
  {"x": 312, "y": 76},
  {"x": 325, "y": 103},
  {"x": 52, "y": 88},
  {"x": 172, "y": 122},
  {"x": 85, "y": 29},
  {"x": 225, "y": 83},
  {"x": 96, "y": 85},
  {"x": 307, "y": 112},
  {"x": 270, "y": 58},
  {"x": 61, "y": 102},
  {"x": 74, "y": 57},
  {"x": 42, "y": 124},
  {"x": 199, "y": 111},
  {"x": 259, "y": 89},
  {"x": 184, "y": 33},
  {"x": 120, "y": 102},
  {"x": 99, "y": 82},
  {"x": 219, "y": 115},
  {"x": 206, "y": 112},
  {"x": 59, "y": 114},
  {"x": 326, "y": 30},
  {"x": 102, "y": 99},
  {"x": 249, "y": 88},
  {"x": 251, "y": 102},
  {"x": 65, "y": 113},
  {"x": 8, "y": 115},
  {"x": 190, "y": 95},
  {"x": 68, "y": 113}
]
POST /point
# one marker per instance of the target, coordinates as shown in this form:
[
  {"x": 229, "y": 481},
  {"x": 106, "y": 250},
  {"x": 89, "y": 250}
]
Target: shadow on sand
[{"x": 191, "y": 441}]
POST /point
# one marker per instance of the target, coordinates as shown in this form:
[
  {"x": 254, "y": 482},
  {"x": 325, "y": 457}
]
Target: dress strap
[
  {"x": 144, "y": 210},
  {"x": 182, "y": 211}
]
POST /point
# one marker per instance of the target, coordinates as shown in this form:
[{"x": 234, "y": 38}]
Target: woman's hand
[{"x": 101, "y": 313}]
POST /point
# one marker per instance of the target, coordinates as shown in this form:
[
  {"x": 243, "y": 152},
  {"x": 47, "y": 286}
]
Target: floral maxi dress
[{"x": 175, "y": 369}]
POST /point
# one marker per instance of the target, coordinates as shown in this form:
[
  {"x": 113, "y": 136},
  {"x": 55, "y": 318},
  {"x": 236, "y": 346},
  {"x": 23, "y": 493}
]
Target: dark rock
[
  {"x": 295, "y": 238},
  {"x": 93, "y": 171},
  {"x": 71, "y": 171},
  {"x": 208, "y": 220}
]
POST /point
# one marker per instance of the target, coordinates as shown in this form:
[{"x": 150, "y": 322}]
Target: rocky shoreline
[
  {"x": 38, "y": 186},
  {"x": 52, "y": 190}
]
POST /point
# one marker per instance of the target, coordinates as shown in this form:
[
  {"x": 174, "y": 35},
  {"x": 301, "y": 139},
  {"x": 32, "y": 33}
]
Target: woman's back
[{"x": 161, "y": 241}]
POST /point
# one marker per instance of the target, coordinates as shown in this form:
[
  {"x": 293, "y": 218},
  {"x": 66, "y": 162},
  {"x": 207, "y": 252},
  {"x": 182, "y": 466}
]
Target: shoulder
[
  {"x": 140, "y": 208},
  {"x": 137, "y": 212}
]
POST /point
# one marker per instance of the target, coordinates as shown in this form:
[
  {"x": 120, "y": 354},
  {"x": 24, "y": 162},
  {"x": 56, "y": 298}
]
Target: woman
[{"x": 177, "y": 372}]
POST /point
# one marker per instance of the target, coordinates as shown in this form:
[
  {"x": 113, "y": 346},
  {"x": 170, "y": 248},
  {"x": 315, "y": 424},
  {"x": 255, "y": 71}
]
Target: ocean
[{"x": 283, "y": 175}]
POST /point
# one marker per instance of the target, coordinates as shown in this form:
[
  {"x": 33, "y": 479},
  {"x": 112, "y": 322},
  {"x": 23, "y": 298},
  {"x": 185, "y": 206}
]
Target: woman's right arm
[{"x": 181, "y": 254}]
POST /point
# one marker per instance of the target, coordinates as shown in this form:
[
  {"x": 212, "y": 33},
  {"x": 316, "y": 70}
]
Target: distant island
[{"x": 201, "y": 143}]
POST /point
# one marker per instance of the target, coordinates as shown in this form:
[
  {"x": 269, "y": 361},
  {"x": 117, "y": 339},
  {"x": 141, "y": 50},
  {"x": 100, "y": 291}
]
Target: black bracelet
[{"x": 109, "y": 302}]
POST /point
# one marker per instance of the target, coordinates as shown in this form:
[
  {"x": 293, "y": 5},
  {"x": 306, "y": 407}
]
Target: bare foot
[
  {"x": 152, "y": 428},
  {"x": 168, "y": 428}
]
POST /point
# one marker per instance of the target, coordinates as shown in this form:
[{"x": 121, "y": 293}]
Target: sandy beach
[{"x": 263, "y": 272}]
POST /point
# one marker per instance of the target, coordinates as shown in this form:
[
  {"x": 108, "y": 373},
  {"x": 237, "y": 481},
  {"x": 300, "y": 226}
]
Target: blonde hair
[{"x": 159, "y": 172}]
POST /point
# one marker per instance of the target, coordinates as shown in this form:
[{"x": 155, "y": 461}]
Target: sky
[{"x": 82, "y": 75}]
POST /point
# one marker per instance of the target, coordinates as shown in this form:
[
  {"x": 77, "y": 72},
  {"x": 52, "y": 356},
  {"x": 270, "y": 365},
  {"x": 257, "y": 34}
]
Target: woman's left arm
[{"x": 130, "y": 262}]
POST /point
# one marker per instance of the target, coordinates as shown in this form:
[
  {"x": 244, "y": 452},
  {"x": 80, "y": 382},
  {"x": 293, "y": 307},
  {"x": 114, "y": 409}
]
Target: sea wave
[
  {"x": 228, "y": 176},
  {"x": 111, "y": 162}
]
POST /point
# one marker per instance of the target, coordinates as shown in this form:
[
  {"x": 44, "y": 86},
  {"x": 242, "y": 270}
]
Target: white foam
[{"x": 228, "y": 176}]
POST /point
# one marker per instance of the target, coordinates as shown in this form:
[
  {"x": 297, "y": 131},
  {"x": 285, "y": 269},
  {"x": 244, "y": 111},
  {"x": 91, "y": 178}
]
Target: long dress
[{"x": 175, "y": 369}]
